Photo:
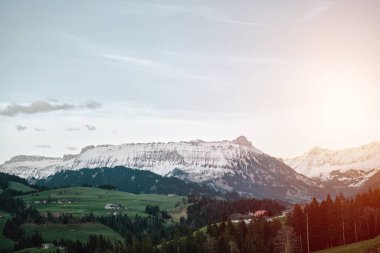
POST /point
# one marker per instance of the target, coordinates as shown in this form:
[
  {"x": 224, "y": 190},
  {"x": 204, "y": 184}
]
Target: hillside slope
[{"x": 127, "y": 180}]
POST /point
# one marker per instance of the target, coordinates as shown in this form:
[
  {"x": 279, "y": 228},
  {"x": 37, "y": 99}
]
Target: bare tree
[
  {"x": 286, "y": 240},
  {"x": 211, "y": 245},
  {"x": 233, "y": 247}
]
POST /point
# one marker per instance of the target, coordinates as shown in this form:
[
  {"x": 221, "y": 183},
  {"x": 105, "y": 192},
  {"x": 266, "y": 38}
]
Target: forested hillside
[{"x": 128, "y": 180}]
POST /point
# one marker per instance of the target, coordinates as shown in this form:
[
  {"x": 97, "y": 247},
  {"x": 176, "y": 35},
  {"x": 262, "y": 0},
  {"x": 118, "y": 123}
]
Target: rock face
[
  {"x": 339, "y": 168},
  {"x": 242, "y": 140},
  {"x": 225, "y": 165}
]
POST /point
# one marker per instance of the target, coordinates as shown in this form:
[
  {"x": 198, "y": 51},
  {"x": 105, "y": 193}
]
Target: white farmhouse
[{"x": 111, "y": 207}]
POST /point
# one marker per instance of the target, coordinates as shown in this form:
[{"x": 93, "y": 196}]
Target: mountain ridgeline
[
  {"x": 226, "y": 166},
  {"x": 347, "y": 169}
]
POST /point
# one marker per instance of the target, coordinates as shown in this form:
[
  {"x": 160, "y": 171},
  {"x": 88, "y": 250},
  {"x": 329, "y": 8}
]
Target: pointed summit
[{"x": 242, "y": 140}]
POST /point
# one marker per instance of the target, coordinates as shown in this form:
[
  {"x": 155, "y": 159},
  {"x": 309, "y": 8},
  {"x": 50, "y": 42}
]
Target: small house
[
  {"x": 48, "y": 246},
  {"x": 285, "y": 212},
  {"x": 238, "y": 216},
  {"x": 64, "y": 201},
  {"x": 111, "y": 207},
  {"x": 261, "y": 213}
]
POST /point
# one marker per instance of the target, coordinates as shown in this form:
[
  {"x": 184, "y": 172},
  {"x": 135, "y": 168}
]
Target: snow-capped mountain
[
  {"x": 341, "y": 168},
  {"x": 228, "y": 165}
]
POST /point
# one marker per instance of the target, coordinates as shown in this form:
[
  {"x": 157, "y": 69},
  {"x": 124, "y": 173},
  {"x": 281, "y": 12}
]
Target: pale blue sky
[{"x": 287, "y": 74}]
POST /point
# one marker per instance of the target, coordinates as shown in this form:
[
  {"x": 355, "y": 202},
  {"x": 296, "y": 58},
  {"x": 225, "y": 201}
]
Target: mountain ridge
[
  {"x": 350, "y": 167},
  {"x": 229, "y": 165}
]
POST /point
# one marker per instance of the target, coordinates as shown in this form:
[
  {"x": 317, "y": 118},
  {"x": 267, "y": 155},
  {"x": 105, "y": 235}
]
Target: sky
[{"x": 287, "y": 74}]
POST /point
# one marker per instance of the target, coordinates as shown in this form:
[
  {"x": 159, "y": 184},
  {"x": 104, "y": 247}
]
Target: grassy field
[
  {"x": 19, "y": 187},
  {"x": 5, "y": 243},
  {"x": 360, "y": 247},
  {"x": 51, "y": 232},
  {"x": 86, "y": 199}
]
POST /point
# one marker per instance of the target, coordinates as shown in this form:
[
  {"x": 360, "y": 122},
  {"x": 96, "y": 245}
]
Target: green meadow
[
  {"x": 360, "y": 247},
  {"x": 19, "y": 187},
  {"x": 84, "y": 200},
  {"x": 51, "y": 232}
]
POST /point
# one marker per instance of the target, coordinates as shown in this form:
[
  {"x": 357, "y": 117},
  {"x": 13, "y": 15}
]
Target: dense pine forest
[
  {"x": 330, "y": 223},
  {"x": 129, "y": 180}
]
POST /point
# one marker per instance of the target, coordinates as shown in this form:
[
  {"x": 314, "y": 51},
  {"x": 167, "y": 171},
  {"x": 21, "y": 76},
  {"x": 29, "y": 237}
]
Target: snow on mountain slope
[
  {"x": 229, "y": 165},
  {"x": 31, "y": 166},
  {"x": 160, "y": 158},
  {"x": 347, "y": 167}
]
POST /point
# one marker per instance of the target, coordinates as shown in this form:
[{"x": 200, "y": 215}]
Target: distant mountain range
[
  {"x": 225, "y": 166},
  {"x": 345, "y": 168}
]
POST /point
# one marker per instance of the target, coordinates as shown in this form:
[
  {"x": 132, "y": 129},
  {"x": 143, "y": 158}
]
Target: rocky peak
[{"x": 242, "y": 140}]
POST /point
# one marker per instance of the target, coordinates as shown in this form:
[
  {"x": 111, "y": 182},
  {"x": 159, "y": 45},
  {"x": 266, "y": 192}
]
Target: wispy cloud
[
  {"x": 40, "y": 129},
  {"x": 72, "y": 129},
  {"x": 206, "y": 13},
  {"x": 21, "y": 128},
  {"x": 139, "y": 61},
  {"x": 217, "y": 16},
  {"x": 161, "y": 68},
  {"x": 71, "y": 148},
  {"x": 35, "y": 107},
  {"x": 241, "y": 22},
  {"x": 90, "y": 128},
  {"x": 124, "y": 59},
  {"x": 90, "y": 105},
  {"x": 317, "y": 10},
  {"x": 43, "y": 146},
  {"x": 41, "y": 106}
]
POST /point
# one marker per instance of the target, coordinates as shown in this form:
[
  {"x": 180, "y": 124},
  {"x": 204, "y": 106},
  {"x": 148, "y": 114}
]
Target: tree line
[
  {"x": 335, "y": 222},
  {"x": 205, "y": 211}
]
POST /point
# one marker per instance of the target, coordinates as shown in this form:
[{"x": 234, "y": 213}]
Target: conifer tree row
[{"x": 339, "y": 221}]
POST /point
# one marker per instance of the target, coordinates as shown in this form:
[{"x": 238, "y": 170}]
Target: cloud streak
[
  {"x": 41, "y": 106},
  {"x": 161, "y": 68},
  {"x": 90, "y": 105},
  {"x": 240, "y": 22},
  {"x": 72, "y": 129},
  {"x": 317, "y": 10},
  {"x": 205, "y": 13},
  {"x": 43, "y": 146},
  {"x": 21, "y": 128},
  {"x": 126, "y": 59},
  {"x": 90, "y": 128}
]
